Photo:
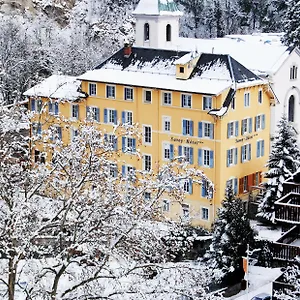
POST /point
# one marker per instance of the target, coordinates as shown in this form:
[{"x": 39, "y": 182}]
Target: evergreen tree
[
  {"x": 231, "y": 234},
  {"x": 292, "y": 23},
  {"x": 282, "y": 163}
]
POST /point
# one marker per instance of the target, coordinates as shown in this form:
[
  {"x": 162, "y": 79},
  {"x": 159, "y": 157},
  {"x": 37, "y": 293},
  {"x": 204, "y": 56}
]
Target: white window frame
[
  {"x": 206, "y": 128},
  {"x": 260, "y": 96},
  {"x": 247, "y": 99},
  {"x": 185, "y": 208},
  {"x": 259, "y": 122},
  {"x": 92, "y": 86},
  {"x": 247, "y": 126},
  {"x": 92, "y": 113},
  {"x": 293, "y": 72},
  {"x": 165, "y": 120},
  {"x": 113, "y": 87},
  {"x": 232, "y": 134},
  {"x": 166, "y": 205},
  {"x": 231, "y": 156},
  {"x": 166, "y": 149},
  {"x": 186, "y": 152},
  {"x": 52, "y": 111},
  {"x": 128, "y": 117},
  {"x": 246, "y": 153},
  {"x": 260, "y": 148},
  {"x": 231, "y": 182},
  {"x": 145, "y": 91},
  {"x": 187, "y": 102},
  {"x": 72, "y": 112},
  {"x": 126, "y": 88},
  {"x": 206, "y": 154},
  {"x": 233, "y": 103},
  {"x": 145, "y": 136},
  {"x": 74, "y": 133},
  {"x": 205, "y": 216},
  {"x": 112, "y": 168},
  {"x": 110, "y": 113},
  {"x": 144, "y": 162},
  {"x": 206, "y": 107},
  {"x": 169, "y": 100}
]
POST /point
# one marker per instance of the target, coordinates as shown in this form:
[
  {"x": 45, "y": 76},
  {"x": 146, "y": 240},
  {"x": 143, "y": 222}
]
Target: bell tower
[{"x": 157, "y": 24}]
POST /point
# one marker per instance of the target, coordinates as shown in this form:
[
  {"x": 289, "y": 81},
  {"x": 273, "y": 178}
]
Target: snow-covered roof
[
  {"x": 157, "y": 7},
  {"x": 262, "y": 55},
  {"x": 57, "y": 87}
]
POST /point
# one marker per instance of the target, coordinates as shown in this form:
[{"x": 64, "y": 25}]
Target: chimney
[{"x": 127, "y": 50}]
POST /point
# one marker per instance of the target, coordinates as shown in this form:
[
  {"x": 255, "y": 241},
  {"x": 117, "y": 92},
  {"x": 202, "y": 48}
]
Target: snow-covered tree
[
  {"x": 231, "y": 234},
  {"x": 292, "y": 23},
  {"x": 283, "y": 162}
]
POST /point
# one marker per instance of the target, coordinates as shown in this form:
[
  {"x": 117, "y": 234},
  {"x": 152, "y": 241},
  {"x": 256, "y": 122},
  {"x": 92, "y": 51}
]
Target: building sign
[
  {"x": 186, "y": 141},
  {"x": 246, "y": 138}
]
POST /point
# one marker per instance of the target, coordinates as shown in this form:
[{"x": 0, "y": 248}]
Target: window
[
  {"x": 291, "y": 109},
  {"x": 147, "y": 163},
  {"x": 186, "y": 100},
  {"x": 166, "y": 205},
  {"x": 56, "y": 133},
  {"x": 187, "y": 127},
  {"x": 181, "y": 69},
  {"x": 127, "y": 117},
  {"x": 233, "y": 103},
  {"x": 110, "y": 116},
  {"x": 53, "y": 108},
  {"x": 112, "y": 140},
  {"x": 39, "y": 157},
  {"x": 207, "y": 103},
  {"x": 168, "y": 33},
  {"x": 36, "y": 105},
  {"x": 206, "y": 190},
  {"x": 147, "y": 196},
  {"x": 129, "y": 172},
  {"x": 74, "y": 134},
  {"x": 260, "y": 148},
  {"x": 113, "y": 170},
  {"x": 293, "y": 72},
  {"x": 205, "y": 129},
  {"x": 147, "y": 134},
  {"x": 232, "y": 129},
  {"x": 92, "y": 89},
  {"x": 128, "y": 144},
  {"x": 260, "y": 122},
  {"x": 204, "y": 213},
  {"x": 36, "y": 129},
  {"x": 93, "y": 113},
  {"x": 128, "y": 94},
  {"x": 246, "y": 126},
  {"x": 245, "y": 183},
  {"x": 260, "y": 96},
  {"x": 187, "y": 152},
  {"x": 167, "y": 98},
  {"x": 168, "y": 151},
  {"x": 146, "y": 32},
  {"x": 110, "y": 91},
  {"x": 147, "y": 96},
  {"x": 247, "y": 99},
  {"x": 246, "y": 153},
  {"x": 187, "y": 185},
  {"x": 257, "y": 178},
  {"x": 185, "y": 212},
  {"x": 166, "y": 124},
  {"x": 232, "y": 157},
  {"x": 75, "y": 111},
  {"x": 206, "y": 158},
  {"x": 234, "y": 185}
]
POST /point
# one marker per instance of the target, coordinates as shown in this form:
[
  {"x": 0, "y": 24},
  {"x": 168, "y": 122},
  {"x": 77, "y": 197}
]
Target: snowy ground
[
  {"x": 270, "y": 233},
  {"x": 260, "y": 282}
]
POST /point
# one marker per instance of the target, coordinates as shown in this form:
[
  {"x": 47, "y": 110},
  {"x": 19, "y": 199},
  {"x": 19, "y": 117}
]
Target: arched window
[
  {"x": 146, "y": 32},
  {"x": 291, "y": 109},
  {"x": 168, "y": 33}
]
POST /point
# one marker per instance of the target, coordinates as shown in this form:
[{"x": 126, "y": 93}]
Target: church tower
[{"x": 157, "y": 24}]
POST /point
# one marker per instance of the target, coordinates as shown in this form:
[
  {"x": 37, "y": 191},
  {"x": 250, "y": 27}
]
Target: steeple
[{"x": 157, "y": 23}]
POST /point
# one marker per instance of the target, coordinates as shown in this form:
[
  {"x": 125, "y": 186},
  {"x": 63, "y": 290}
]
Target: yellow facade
[{"x": 156, "y": 112}]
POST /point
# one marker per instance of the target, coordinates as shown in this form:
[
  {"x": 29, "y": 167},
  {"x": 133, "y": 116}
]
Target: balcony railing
[
  {"x": 289, "y": 187},
  {"x": 285, "y": 251},
  {"x": 287, "y": 208}
]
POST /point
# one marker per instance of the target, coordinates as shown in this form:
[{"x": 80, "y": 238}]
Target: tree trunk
[
  {"x": 11, "y": 278},
  {"x": 56, "y": 281}
]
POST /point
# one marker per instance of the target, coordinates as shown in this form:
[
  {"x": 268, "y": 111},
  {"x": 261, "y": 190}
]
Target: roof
[
  {"x": 57, "y": 87},
  {"x": 157, "y": 7},
  {"x": 155, "y": 68}
]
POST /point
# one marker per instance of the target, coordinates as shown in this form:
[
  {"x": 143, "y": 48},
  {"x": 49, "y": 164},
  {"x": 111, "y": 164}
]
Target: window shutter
[
  {"x": 235, "y": 186},
  {"x": 241, "y": 181},
  {"x": 255, "y": 125},
  {"x": 250, "y": 125},
  {"x": 191, "y": 128},
  {"x": 179, "y": 150},
  {"x": 235, "y": 155},
  {"x": 200, "y": 155},
  {"x": 123, "y": 171},
  {"x": 263, "y": 122},
  {"x": 76, "y": 111},
  {"x": 191, "y": 155},
  {"x": 123, "y": 117},
  {"x": 116, "y": 116},
  {"x": 242, "y": 127},
  {"x": 190, "y": 186},
  {"x": 32, "y": 105},
  {"x": 203, "y": 188},
  {"x": 242, "y": 151},
  {"x": 211, "y": 159},
  {"x": 105, "y": 115},
  {"x": 262, "y": 148},
  {"x": 115, "y": 171},
  {"x": 236, "y": 128},
  {"x": 211, "y": 131},
  {"x": 249, "y": 151},
  {"x": 133, "y": 145},
  {"x": 123, "y": 144},
  {"x": 200, "y": 125},
  {"x": 228, "y": 126},
  {"x": 228, "y": 158},
  {"x": 98, "y": 114},
  {"x": 257, "y": 148},
  {"x": 50, "y": 106},
  {"x": 56, "y": 108},
  {"x": 184, "y": 127},
  {"x": 171, "y": 151}
]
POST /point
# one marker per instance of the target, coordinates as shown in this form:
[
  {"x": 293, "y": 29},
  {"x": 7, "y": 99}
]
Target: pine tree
[
  {"x": 292, "y": 23},
  {"x": 282, "y": 163},
  {"x": 231, "y": 234}
]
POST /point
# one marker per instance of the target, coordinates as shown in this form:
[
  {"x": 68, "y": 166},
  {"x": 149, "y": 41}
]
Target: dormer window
[
  {"x": 168, "y": 33},
  {"x": 181, "y": 69},
  {"x": 146, "y": 32},
  {"x": 293, "y": 72}
]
